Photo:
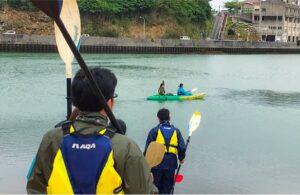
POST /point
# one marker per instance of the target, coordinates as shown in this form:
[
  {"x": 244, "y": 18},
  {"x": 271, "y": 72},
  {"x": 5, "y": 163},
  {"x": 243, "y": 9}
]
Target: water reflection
[{"x": 263, "y": 97}]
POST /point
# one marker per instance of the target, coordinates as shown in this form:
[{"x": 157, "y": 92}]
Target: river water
[{"x": 248, "y": 140}]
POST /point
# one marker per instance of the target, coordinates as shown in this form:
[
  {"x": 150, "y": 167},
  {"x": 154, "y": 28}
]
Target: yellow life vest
[
  {"x": 172, "y": 147},
  {"x": 84, "y": 165}
]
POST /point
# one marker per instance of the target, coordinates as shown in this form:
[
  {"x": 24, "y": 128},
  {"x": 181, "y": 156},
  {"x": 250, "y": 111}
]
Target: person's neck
[
  {"x": 165, "y": 121},
  {"x": 103, "y": 113}
]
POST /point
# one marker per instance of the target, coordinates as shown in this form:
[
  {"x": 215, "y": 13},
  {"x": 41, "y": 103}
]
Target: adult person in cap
[
  {"x": 170, "y": 136},
  {"x": 182, "y": 91},
  {"x": 85, "y": 157}
]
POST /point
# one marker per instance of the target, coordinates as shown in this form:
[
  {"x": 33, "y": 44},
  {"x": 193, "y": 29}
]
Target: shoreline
[{"x": 37, "y": 43}]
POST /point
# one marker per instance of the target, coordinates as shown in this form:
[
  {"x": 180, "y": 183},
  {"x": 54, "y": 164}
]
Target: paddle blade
[
  {"x": 155, "y": 154},
  {"x": 71, "y": 18},
  {"x": 178, "y": 178},
  {"x": 194, "y": 122},
  {"x": 193, "y": 90},
  {"x": 50, "y": 7}
]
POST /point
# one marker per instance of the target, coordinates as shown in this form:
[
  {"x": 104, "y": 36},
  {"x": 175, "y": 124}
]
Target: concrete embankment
[{"x": 36, "y": 43}]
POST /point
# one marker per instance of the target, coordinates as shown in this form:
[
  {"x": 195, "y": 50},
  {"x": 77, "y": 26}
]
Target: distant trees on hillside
[
  {"x": 182, "y": 10},
  {"x": 116, "y": 17},
  {"x": 19, "y": 4},
  {"x": 233, "y": 6}
]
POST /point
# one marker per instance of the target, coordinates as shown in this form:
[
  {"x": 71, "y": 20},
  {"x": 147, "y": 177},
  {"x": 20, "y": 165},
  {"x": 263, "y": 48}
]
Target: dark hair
[
  {"x": 163, "y": 114},
  {"x": 83, "y": 96},
  {"x": 180, "y": 85}
]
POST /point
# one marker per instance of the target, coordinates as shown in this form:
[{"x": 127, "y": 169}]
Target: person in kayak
[
  {"x": 86, "y": 157},
  {"x": 161, "y": 89},
  {"x": 170, "y": 136},
  {"x": 182, "y": 91}
]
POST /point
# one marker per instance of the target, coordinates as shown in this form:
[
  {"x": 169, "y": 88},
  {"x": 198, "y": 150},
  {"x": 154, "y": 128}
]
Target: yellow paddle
[
  {"x": 155, "y": 154},
  {"x": 193, "y": 126}
]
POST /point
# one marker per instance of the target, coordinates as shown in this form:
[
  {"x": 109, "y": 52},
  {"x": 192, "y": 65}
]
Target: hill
[{"x": 163, "y": 18}]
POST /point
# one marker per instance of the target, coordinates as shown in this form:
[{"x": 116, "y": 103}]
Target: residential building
[{"x": 275, "y": 20}]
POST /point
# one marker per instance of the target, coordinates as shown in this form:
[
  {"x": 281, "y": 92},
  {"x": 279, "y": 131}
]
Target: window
[
  {"x": 272, "y": 27},
  {"x": 263, "y": 9},
  {"x": 271, "y": 18}
]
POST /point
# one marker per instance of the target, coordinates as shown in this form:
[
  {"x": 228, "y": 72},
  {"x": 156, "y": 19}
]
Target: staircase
[{"x": 219, "y": 26}]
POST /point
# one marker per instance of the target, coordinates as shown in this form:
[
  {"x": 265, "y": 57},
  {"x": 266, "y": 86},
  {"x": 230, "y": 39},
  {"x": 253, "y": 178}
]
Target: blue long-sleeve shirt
[
  {"x": 170, "y": 160},
  {"x": 182, "y": 91}
]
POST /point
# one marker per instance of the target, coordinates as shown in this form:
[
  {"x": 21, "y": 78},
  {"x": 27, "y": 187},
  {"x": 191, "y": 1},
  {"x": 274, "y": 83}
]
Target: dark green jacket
[{"x": 129, "y": 160}]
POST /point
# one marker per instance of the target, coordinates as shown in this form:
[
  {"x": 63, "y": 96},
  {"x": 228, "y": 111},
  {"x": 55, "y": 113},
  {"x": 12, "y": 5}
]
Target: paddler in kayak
[
  {"x": 182, "y": 91},
  {"x": 161, "y": 89},
  {"x": 170, "y": 136}
]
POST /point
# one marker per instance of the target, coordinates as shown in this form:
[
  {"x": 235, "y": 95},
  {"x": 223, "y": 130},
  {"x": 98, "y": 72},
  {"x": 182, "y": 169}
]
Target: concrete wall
[
  {"x": 35, "y": 43},
  {"x": 27, "y": 39}
]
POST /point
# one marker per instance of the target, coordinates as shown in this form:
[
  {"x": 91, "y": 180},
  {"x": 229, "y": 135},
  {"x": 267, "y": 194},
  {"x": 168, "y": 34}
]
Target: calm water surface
[{"x": 248, "y": 140}]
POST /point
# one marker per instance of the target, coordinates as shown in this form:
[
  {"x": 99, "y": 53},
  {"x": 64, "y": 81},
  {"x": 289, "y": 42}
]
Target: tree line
[{"x": 182, "y": 10}]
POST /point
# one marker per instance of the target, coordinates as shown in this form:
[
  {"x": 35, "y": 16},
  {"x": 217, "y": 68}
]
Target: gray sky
[{"x": 215, "y": 3}]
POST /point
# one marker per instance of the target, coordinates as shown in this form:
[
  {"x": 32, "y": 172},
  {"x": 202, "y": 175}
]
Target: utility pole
[
  {"x": 144, "y": 26},
  {"x": 276, "y": 27},
  {"x": 259, "y": 24},
  {"x": 248, "y": 33}
]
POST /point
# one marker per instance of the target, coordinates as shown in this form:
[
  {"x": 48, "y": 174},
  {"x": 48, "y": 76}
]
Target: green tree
[
  {"x": 186, "y": 11},
  {"x": 2, "y": 3},
  {"x": 233, "y": 5},
  {"x": 20, "y": 4},
  {"x": 100, "y": 6}
]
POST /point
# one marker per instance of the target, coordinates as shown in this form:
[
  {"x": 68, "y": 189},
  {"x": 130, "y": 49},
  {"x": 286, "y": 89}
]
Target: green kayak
[{"x": 196, "y": 96}]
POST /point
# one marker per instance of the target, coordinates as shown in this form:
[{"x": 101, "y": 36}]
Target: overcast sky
[{"x": 215, "y": 3}]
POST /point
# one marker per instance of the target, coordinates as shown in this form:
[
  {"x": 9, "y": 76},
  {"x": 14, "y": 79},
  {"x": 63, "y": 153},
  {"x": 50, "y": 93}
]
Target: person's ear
[{"x": 111, "y": 103}]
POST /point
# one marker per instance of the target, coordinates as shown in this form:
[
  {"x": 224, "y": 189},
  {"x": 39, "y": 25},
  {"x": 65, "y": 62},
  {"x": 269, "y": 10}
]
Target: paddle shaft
[
  {"x": 178, "y": 169},
  {"x": 69, "y": 99},
  {"x": 86, "y": 71}
]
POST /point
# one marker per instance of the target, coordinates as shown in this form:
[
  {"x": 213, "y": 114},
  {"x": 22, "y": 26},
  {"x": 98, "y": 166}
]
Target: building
[{"x": 275, "y": 20}]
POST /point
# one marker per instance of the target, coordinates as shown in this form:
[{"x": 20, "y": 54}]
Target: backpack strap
[
  {"x": 66, "y": 127},
  {"x": 110, "y": 132}
]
